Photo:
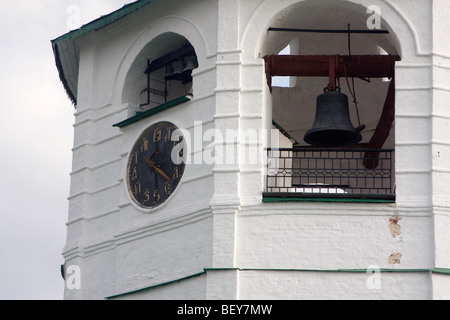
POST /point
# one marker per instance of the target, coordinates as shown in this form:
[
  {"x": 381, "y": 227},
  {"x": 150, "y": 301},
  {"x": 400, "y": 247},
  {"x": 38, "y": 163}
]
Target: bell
[
  {"x": 191, "y": 64},
  {"x": 177, "y": 70},
  {"x": 169, "y": 72},
  {"x": 180, "y": 66},
  {"x": 332, "y": 126}
]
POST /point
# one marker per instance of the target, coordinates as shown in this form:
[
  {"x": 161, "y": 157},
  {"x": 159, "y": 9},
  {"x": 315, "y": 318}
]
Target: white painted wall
[{"x": 216, "y": 226}]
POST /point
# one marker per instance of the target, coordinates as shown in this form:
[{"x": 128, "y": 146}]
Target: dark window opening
[{"x": 168, "y": 78}]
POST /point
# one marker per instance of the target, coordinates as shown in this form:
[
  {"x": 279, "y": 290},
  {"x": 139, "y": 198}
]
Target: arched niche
[
  {"x": 327, "y": 15},
  {"x": 294, "y": 107},
  {"x": 160, "y": 73}
]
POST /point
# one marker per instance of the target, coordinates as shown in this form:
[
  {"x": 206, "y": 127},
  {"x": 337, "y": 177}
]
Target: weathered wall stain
[
  {"x": 396, "y": 231},
  {"x": 395, "y": 258},
  {"x": 394, "y": 227}
]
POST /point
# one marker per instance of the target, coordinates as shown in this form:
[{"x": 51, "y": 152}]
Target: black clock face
[{"x": 156, "y": 165}]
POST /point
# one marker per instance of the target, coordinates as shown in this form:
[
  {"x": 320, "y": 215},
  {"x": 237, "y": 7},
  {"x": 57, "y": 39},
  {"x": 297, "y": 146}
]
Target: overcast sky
[{"x": 36, "y": 141}]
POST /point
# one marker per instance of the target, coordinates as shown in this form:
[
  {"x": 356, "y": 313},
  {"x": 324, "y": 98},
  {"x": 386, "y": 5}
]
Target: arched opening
[
  {"x": 160, "y": 74},
  {"x": 284, "y": 81},
  {"x": 332, "y": 47}
]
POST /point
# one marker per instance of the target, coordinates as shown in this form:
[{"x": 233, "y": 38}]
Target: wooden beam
[
  {"x": 383, "y": 129},
  {"x": 168, "y": 58},
  {"x": 346, "y": 31},
  {"x": 363, "y": 66}
]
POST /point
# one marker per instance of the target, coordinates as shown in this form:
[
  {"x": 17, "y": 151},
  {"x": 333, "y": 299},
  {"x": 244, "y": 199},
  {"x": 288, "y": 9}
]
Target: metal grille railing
[{"x": 361, "y": 173}]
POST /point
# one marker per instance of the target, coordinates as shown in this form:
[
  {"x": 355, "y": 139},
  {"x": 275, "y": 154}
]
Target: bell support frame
[{"x": 336, "y": 66}]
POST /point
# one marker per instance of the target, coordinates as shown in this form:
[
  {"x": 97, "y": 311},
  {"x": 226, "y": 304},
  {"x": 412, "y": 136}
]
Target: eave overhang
[{"x": 67, "y": 53}]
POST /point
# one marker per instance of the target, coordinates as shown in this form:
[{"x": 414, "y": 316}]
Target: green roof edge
[
  {"x": 104, "y": 21},
  {"x": 97, "y": 24}
]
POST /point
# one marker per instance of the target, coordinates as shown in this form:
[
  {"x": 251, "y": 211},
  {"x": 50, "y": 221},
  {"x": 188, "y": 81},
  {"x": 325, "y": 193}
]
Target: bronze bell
[
  {"x": 191, "y": 64},
  {"x": 175, "y": 70},
  {"x": 332, "y": 126}
]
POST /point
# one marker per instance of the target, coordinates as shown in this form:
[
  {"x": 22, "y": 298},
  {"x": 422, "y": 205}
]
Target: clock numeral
[
  {"x": 137, "y": 188},
  {"x": 144, "y": 146},
  {"x": 157, "y": 135},
  {"x": 168, "y": 137},
  {"x": 178, "y": 155},
  {"x": 168, "y": 188},
  {"x": 176, "y": 175},
  {"x": 134, "y": 174},
  {"x": 147, "y": 196},
  {"x": 156, "y": 196}
]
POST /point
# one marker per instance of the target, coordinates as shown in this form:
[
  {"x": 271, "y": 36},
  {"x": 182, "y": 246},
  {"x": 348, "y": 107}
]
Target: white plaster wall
[
  {"x": 333, "y": 236},
  {"x": 163, "y": 252},
  {"x": 292, "y": 285},
  {"x": 188, "y": 289},
  {"x": 441, "y": 144},
  {"x": 212, "y": 284},
  {"x": 441, "y": 285}
]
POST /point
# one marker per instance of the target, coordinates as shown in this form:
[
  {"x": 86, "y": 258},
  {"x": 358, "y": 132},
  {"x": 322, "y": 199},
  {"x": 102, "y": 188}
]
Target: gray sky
[{"x": 36, "y": 141}]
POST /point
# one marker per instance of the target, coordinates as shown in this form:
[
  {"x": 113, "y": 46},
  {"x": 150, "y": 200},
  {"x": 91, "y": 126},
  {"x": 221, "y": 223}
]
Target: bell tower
[{"x": 197, "y": 176}]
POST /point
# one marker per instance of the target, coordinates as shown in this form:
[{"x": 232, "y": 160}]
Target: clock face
[{"x": 156, "y": 165}]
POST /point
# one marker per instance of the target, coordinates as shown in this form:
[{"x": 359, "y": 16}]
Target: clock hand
[{"x": 157, "y": 168}]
